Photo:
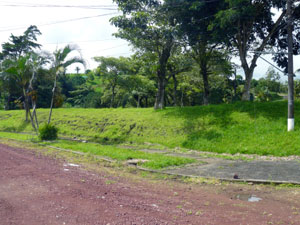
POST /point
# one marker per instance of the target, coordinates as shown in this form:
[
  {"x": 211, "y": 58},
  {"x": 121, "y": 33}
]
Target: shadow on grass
[
  {"x": 209, "y": 123},
  {"x": 19, "y": 128}
]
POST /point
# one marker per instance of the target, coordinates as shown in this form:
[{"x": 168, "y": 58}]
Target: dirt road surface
[{"x": 36, "y": 189}]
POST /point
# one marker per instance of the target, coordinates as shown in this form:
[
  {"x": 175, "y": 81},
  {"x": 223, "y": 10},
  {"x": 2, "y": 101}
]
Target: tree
[
  {"x": 271, "y": 83},
  {"x": 60, "y": 62},
  {"x": 248, "y": 28},
  {"x": 149, "y": 29},
  {"x": 194, "y": 18},
  {"x": 19, "y": 72},
  {"x": 13, "y": 50},
  {"x": 20, "y": 45},
  {"x": 281, "y": 44},
  {"x": 177, "y": 64},
  {"x": 23, "y": 72},
  {"x": 113, "y": 71}
]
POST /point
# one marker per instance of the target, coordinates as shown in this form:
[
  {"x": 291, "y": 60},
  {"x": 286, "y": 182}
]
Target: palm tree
[
  {"x": 36, "y": 62},
  {"x": 23, "y": 71},
  {"x": 18, "y": 71},
  {"x": 60, "y": 63}
]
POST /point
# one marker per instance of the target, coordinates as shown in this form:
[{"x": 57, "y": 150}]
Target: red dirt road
[{"x": 36, "y": 189}]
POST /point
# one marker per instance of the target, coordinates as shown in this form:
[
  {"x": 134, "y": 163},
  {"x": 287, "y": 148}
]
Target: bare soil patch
[{"x": 35, "y": 189}]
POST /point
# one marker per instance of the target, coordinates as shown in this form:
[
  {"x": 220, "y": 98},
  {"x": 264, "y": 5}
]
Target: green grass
[
  {"x": 18, "y": 137},
  {"x": 247, "y": 127},
  {"x": 156, "y": 161}
]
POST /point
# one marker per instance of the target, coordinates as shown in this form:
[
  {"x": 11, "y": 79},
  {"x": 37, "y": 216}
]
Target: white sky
[{"x": 92, "y": 35}]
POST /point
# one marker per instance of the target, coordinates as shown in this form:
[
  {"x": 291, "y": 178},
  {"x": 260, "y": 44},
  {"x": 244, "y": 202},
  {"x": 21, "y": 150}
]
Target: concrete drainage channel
[
  {"x": 207, "y": 170},
  {"x": 252, "y": 172}
]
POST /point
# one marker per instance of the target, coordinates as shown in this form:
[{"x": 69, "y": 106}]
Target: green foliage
[
  {"x": 253, "y": 127},
  {"x": 48, "y": 132},
  {"x": 21, "y": 45},
  {"x": 150, "y": 29},
  {"x": 237, "y": 31}
]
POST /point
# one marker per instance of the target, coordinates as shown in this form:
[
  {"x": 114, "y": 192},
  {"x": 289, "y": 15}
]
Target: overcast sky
[{"x": 64, "y": 25}]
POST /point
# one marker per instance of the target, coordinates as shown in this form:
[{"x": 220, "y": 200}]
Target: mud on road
[{"x": 37, "y": 189}]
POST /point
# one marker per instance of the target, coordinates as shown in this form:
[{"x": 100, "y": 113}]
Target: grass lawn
[
  {"x": 155, "y": 161},
  {"x": 244, "y": 127}
]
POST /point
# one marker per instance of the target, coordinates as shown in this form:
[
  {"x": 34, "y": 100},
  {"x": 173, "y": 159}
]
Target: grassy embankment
[{"x": 252, "y": 128}]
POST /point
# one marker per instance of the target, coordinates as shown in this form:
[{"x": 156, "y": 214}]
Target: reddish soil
[{"x": 35, "y": 189}]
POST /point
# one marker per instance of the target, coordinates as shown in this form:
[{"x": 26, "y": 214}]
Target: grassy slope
[{"x": 242, "y": 127}]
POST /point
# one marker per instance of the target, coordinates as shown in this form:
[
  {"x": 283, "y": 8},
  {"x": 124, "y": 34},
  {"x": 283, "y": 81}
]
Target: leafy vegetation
[
  {"x": 183, "y": 51},
  {"x": 48, "y": 132},
  {"x": 243, "y": 127}
]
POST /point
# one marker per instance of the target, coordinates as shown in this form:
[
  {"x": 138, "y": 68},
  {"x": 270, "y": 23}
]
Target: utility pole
[{"x": 291, "y": 120}]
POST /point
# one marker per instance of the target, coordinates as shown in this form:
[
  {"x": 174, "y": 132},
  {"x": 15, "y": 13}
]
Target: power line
[
  {"x": 60, "y": 6},
  {"x": 26, "y": 4},
  {"x": 276, "y": 67},
  {"x": 61, "y": 21},
  {"x": 74, "y": 42}
]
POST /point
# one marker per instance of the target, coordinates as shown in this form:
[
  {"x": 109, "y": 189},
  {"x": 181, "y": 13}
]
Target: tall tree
[
  {"x": 249, "y": 27},
  {"x": 281, "y": 44},
  {"x": 194, "y": 18},
  {"x": 19, "y": 72},
  {"x": 21, "y": 45},
  {"x": 23, "y": 72},
  {"x": 13, "y": 50},
  {"x": 61, "y": 60},
  {"x": 148, "y": 27},
  {"x": 177, "y": 64}
]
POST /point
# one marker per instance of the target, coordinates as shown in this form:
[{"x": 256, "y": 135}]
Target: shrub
[{"x": 48, "y": 132}]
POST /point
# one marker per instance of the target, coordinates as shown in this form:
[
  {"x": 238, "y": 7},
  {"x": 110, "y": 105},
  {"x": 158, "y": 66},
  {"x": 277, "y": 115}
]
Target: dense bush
[{"x": 48, "y": 132}]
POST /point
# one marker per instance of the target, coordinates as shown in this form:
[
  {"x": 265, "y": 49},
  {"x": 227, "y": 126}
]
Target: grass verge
[
  {"x": 155, "y": 160},
  {"x": 243, "y": 127}
]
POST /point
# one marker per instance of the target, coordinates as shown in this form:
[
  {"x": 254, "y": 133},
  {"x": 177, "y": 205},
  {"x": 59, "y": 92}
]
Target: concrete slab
[{"x": 265, "y": 171}]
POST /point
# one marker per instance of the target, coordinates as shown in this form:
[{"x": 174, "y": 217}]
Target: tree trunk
[
  {"x": 27, "y": 109},
  {"x": 7, "y": 104},
  {"x": 234, "y": 84},
  {"x": 146, "y": 101},
  {"x": 112, "y": 96},
  {"x": 26, "y": 112},
  {"x": 160, "y": 96},
  {"x": 34, "y": 119},
  {"x": 52, "y": 100},
  {"x": 202, "y": 55},
  {"x": 175, "y": 90},
  {"x": 247, "y": 85},
  {"x": 161, "y": 74},
  {"x": 26, "y": 105},
  {"x": 138, "y": 102},
  {"x": 242, "y": 43},
  {"x": 204, "y": 73},
  {"x": 35, "y": 116},
  {"x": 181, "y": 100}
]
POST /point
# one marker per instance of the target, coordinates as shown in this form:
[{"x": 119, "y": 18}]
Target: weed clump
[{"x": 48, "y": 132}]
